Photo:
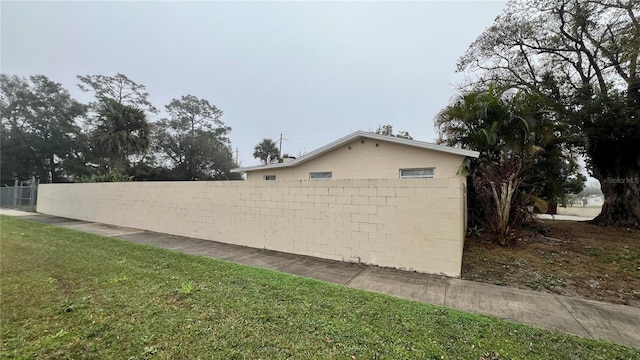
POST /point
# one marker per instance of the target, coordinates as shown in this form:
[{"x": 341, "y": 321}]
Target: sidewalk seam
[
  {"x": 573, "y": 317},
  {"x": 445, "y": 293},
  {"x": 356, "y": 275}
]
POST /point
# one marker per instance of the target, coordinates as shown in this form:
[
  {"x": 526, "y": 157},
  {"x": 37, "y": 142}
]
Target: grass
[{"x": 68, "y": 294}]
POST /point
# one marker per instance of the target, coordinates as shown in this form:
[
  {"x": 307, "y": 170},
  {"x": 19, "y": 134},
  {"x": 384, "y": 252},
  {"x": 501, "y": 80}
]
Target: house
[
  {"x": 365, "y": 155},
  {"x": 365, "y": 198},
  {"x": 594, "y": 200}
]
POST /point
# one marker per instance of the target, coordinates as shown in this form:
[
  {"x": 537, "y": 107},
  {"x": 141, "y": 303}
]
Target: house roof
[{"x": 355, "y": 136}]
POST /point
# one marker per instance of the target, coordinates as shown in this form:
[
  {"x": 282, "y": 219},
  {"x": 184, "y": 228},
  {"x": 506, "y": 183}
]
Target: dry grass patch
[{"x": 562, "y": 257}]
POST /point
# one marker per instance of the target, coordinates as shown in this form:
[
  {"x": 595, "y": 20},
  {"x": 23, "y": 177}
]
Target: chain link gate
[{"x": 22, "y": 196}]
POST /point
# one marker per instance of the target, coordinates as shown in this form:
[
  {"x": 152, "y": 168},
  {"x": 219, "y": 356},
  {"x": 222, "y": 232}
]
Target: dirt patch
[{"x": 562, "y": 257}]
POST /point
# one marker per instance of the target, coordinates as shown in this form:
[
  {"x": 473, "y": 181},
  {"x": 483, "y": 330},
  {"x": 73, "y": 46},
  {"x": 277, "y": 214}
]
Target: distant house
[
  {"x": 365, "y": 155},
  {"x": 594, "y": 200}
]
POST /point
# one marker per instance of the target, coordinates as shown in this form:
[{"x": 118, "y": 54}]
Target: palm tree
[
  {"x": 496, "y": 125},
  {"x": 121, "y": 130},
  {"x": 487, "y": 121},
  {"x": 267, "y": 151},
  {"x": 503, "y": 126}
]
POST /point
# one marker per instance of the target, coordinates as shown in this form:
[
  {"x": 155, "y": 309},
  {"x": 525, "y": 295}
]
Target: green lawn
[{"x": 68, "y": 294}]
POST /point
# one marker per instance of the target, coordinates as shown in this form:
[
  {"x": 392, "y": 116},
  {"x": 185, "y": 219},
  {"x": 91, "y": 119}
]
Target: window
[
  {"x": 322, "y": 175},
  {"x": 417, "y": 173},
  {"x": 269, "y": 177}
]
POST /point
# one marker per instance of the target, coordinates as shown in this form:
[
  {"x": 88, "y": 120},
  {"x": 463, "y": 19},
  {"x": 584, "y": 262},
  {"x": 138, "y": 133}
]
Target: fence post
[
  {"x": 15, "y": 194},
  {"x": 32, "y": 192}
]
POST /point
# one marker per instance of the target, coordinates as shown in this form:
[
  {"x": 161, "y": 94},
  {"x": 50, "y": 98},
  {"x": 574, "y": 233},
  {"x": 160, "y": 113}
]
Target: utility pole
[
  {"x": 237, "y": 158},
  {"x": 281, "y": 138}
]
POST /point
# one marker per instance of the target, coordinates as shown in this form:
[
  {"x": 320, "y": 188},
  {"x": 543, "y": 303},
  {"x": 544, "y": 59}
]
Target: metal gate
[{"x": 22, "y": 196}]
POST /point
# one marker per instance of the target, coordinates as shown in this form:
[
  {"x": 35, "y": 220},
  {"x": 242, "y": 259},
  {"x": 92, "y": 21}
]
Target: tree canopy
[
  {"x": 47, "y": 134},
  {"x": 39, "y": 130},
  {"x": 388, "y": 130},
  {"x": 581, "y": 59},
  {"x": 118, "y": 88},
  {"x": 195, "y": 140}
]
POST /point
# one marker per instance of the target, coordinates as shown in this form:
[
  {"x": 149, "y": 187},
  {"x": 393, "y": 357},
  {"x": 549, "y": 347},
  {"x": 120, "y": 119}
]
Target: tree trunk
[
  {"x": 52, "y": 169},
  {"x": 621, "y": 200},
  {"x": 552, "y": 208},
  {"x": 615, "y": 158},
  {"x": 119, "y": 162}
]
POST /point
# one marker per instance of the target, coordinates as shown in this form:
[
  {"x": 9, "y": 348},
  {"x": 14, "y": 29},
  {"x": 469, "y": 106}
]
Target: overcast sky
[{"x": 313, "y": 71}]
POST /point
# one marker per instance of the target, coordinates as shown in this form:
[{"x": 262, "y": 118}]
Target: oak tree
[
  {"x": 582, "y": 57},
  {"x": 40, "y": 134}
]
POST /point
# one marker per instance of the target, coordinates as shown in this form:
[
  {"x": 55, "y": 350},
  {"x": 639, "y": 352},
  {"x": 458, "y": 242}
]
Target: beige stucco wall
[
  {"x": 413, "y": 224},
  {"x": 362, "y": 159}
]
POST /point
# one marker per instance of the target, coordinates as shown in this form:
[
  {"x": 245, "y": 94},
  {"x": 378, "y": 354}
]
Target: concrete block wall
[{"x": 410, "y": 224}]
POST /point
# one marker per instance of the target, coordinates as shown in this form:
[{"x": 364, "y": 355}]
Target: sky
[{"x": 311, "y": 71}]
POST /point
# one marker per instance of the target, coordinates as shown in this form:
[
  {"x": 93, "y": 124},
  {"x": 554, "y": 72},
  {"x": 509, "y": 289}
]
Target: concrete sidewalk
[
  {"x": 563, "y": 217},
  {"x": 586, "y": 318}
]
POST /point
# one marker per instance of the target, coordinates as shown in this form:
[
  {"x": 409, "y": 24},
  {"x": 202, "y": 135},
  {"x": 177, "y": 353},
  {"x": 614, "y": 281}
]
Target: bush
[
  {"x": 500, "y": 192},
  {"x": 111, "y": 176}
]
